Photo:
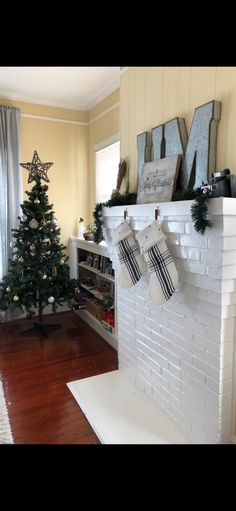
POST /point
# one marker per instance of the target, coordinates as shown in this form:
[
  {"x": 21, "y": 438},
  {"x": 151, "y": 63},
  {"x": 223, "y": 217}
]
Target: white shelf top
[
  {"x": 95, "y": 292},
  {"x": 94, "y": 270},
  {"x": 91, "y": 246}
]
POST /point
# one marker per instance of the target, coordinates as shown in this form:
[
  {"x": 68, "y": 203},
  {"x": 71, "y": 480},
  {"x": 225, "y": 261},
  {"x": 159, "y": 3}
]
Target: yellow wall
[
  {"x": 71, "y": 148},
  {"x": 150, "y": 96},
  {"x": 67, "y": 146},
  {"x": 105, "y": 126}
]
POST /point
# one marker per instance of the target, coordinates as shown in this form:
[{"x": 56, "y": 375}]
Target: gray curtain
[{"x": 10, "y": 181}]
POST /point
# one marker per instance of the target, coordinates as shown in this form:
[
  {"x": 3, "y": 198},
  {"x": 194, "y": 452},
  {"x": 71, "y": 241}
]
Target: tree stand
[{"x": 41, "y": 328}]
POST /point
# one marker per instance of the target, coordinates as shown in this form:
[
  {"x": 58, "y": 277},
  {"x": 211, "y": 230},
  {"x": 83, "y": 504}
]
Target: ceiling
[{"x": 78, "y": 88}]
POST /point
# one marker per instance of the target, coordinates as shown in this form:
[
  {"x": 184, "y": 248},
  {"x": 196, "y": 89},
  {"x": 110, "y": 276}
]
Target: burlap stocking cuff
[
  {"x": 121, "y": 232},
  {"x": 150, "y": 236}
]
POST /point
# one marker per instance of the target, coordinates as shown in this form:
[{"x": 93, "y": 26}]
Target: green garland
[
  {"x": 198, "y": 209},
  {"x": 199, "y": 213},
  {"x": 116, "y": 200}
]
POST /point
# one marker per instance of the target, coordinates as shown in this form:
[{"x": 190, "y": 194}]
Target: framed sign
[{"x": 158, "y": 180}]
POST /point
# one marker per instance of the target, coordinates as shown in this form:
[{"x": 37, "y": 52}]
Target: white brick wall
[{"x": 180, "y": 354}]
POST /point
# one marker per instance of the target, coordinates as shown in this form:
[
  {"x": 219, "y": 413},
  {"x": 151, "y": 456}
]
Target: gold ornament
[
  {"x": 62, "y": 261},
  {"x": 32, "y": 247},
  {"x": 15, "y": 298},
  {"x": 8, "y": 289},
  {"x": 36, "y": 168},
  {"x": 36, "y": 201}
]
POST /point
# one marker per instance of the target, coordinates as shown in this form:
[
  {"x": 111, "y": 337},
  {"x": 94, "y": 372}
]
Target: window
[{"x": 106, "y": 165}]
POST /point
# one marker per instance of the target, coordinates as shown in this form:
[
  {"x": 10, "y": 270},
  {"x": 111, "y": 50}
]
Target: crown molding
[
  {"x": 102, "y": 95},
  {"x": 54, "y": 119},
  {"x": 68, "y": 121},
  {"x": 36, "y": 101},
  {"x": 104, "y": 112},
  {"x": 123, "y": 70}
]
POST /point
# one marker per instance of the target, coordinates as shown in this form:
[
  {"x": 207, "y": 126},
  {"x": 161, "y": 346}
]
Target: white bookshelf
[{"x": 75, "y": 246}]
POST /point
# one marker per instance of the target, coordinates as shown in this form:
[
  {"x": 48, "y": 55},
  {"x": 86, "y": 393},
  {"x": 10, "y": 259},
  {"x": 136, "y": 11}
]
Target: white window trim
[
  {"x": 101, "y": 145},
  {"x": 108, "y": 141}
]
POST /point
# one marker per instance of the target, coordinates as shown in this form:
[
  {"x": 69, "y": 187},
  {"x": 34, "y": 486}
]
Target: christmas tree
[{"x": 38, "y": 273}]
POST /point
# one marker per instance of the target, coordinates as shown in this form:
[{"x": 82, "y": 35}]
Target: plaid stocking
[
  {"x": 160, "y": 265},
  {"x": 131, "y": 262}
]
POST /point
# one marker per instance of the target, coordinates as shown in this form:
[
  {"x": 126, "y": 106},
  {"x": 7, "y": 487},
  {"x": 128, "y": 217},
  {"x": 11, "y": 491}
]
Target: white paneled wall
[{"x": 181, "y": 354}]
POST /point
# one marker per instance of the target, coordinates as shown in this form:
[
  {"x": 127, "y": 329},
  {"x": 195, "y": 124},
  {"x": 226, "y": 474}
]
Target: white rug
[{"x": 5, "y": 429}]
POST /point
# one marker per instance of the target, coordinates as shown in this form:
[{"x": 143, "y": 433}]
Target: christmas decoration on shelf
[
  {"x": 37, "y": 276},
  {"x": 81, "y": 228}
]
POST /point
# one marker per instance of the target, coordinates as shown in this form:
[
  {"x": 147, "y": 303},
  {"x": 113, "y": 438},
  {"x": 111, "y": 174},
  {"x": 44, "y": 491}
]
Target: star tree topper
[{"x": 36, "y": 168}]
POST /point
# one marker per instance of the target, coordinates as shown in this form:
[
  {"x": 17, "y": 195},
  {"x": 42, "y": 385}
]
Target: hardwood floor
[{"x": 34, "y": 372}]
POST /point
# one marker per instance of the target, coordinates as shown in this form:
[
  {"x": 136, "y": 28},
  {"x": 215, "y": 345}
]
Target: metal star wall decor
[{"x": 36, "y": 168}]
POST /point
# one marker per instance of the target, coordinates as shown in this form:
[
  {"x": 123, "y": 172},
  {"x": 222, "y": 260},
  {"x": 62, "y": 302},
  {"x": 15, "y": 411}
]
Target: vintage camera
[{"x": 223, "y": 184}]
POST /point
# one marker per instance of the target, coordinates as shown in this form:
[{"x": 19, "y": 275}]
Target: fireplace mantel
[{"x": 180, "y": 354}]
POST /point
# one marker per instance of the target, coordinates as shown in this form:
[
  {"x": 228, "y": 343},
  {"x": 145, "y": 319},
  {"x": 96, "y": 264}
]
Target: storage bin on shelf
[
  {"x": 95, "y": 308},
  {"x": 108, "y": 321}
]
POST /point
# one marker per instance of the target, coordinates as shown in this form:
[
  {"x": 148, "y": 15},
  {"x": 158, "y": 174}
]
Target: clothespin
[
  {"x": 156, "y": 213},
  {"x": 125, "y": 213}
]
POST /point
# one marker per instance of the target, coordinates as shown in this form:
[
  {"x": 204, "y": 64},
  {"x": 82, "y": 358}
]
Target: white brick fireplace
[{"x": 180, "y": 355}]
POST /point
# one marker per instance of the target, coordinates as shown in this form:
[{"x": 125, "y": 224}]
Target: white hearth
[
  {"x": 180, "y": 355},
  {"x": 119, "y": 413}
]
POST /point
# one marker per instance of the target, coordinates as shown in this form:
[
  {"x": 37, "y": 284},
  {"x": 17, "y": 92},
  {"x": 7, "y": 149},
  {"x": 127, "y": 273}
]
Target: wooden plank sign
[{"x": 158, "y": 180}]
